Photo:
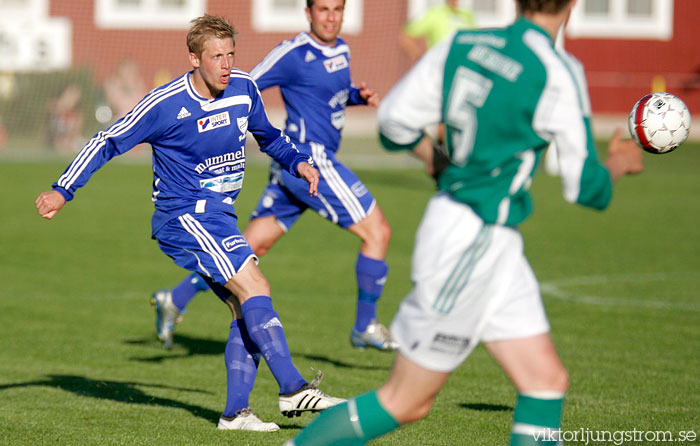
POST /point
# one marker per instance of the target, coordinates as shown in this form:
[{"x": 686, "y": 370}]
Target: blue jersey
[
  {"x": 198, "y": 146},
  {"x": 315, "y": 83}
]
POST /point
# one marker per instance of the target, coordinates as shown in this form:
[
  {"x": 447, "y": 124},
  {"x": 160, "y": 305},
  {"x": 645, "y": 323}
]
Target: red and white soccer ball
[{"x": 659, "y": 122}]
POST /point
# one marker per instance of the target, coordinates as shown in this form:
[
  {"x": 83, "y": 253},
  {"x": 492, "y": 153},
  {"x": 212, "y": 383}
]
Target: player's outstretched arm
[
  {"x": 49, "y": 203},
  {"x": 310, "y": 174},
  {"x": 624, "y": 157},
  {"x": 370, "y": 96}
]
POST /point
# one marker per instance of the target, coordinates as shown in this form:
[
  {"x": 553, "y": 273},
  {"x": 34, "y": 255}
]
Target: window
[
  {"x": 30, "y": 40},
  {"x": 24, "y": 9},
  {"x": 289, "y": 16},
  {"x": 162, "y": 14},
  {"x": 622, "y": 19}
]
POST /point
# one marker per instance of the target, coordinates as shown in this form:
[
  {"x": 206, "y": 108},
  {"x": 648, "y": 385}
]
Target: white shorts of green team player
[{"x": 472, "y": 283}]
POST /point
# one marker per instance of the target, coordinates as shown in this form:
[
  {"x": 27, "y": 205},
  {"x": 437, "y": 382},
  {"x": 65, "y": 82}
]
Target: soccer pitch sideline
[{"x": 80, "y": 365}]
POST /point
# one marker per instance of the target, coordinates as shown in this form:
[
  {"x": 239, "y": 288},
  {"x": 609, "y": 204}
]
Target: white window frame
[
  {"x": 147, "y": 15},
  {"x": 32, "y": 9},
  {"x": 504, "y": 15},
  {"x": 267, "y": 19},
  {"x": 619, "y": 25},
  {"x": 28, "y": 27}
]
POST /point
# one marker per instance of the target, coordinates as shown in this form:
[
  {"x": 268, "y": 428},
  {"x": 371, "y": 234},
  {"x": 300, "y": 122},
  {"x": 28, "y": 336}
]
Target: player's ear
[
  {"x": 308, "y": 14},
  {"x": 194, "y": 60}
]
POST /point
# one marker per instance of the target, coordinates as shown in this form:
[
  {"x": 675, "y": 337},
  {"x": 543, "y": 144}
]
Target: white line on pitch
[{"x": 554, "y": 288}]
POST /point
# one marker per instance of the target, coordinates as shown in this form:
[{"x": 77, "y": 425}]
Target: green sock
[
  {"x": 536, "y": 420},
  {"x": 353, "y": 423}
]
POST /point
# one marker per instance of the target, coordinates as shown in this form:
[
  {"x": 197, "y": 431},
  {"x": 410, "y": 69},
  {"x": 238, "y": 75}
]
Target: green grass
[{"x": 79, "y": 363}]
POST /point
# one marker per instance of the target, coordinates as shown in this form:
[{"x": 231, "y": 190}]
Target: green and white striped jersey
[{"x": 504, "y": 95}]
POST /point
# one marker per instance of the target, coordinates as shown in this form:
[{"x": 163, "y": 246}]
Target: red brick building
[{"x": 624, "y": 44}]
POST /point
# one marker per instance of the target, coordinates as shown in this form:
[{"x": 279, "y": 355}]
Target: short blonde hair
[{"x": 205, "y": 27}]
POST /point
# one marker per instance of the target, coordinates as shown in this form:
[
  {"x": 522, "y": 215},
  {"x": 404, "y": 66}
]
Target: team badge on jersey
[
  {"x": 213, "y": 122},
  {"x": 309, "y": 56},
  {"x": 242, "y": 124},
  {"x": 336, "y": 64}
]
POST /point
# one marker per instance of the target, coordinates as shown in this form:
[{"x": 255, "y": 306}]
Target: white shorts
[{"x": 472, "y": 283}]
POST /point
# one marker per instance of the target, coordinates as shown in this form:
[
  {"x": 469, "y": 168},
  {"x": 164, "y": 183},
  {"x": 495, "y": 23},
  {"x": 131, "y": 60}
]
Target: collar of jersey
[
  {"x": 525, "y": 23},
  {"x": 325, "y": 49},
  {"x": 193, "y": 93}
]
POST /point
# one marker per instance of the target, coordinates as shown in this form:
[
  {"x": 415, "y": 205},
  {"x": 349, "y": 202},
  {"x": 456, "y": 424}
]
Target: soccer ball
[{"x": 659, "y": 122}]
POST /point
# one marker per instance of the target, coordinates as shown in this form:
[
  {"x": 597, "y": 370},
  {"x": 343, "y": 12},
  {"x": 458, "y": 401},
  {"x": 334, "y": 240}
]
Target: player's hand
[
  {"x": 624, "y": 156},
  {"x": 310, "y": 174},
  {"x": 49, "y": 203},
  {"x": 370, "y": 96}
]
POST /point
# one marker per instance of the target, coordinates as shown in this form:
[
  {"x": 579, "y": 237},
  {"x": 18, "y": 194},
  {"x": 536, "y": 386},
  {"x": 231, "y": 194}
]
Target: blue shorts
[
  {"x": 342, "y": 196},
  {"x": 209, "y": 244}
]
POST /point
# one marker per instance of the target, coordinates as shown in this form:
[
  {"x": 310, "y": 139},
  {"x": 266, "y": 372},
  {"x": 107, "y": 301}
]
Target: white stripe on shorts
[
  {"x": 209, "y": 245},
  {"x": 336, "y": 183},
  {"x": 458, "y": 278},
  {"x": 329, "y": 208}
]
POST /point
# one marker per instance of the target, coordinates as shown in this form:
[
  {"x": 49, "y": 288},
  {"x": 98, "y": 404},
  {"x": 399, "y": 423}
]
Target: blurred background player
[
  {"x": 432, "y": 27},
  {"x": 195, "y": 125},
  {"x": 66, "y": 121},
  {"x": 124, "y": 88},
  {"x": 313, "y": 73},
  {"x": 472, "y": 282}
]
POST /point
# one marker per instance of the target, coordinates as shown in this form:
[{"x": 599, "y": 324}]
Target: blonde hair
[{"x": 205, "y": 27}]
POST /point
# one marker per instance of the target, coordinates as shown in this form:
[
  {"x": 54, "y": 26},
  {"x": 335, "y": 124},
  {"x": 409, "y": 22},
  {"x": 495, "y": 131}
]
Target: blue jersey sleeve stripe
[
  {"x": 131, "y": 118},
  {"x": 87, "y": 154},
  {"x": 128, "y": 120},
  {"x": 274, "y": 56}
]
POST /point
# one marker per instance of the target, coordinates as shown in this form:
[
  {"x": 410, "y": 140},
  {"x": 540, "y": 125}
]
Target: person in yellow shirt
[{"x": 435, "y": 25}]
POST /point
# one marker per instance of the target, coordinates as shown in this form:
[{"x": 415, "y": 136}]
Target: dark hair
[
  {"x": 546, "y": 6},
  {"x": 310, "y": 3},
  {"x": 207, "y": 26}
]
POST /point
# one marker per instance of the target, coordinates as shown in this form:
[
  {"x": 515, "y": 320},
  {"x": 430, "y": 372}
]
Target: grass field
[{"x": 80, "y": 365}]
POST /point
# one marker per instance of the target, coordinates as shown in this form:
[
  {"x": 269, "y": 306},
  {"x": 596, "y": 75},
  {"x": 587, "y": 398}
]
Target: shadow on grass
[
  {"x": 119, "y": 391},
  {"x": 337, "y": 363},
  {"x": 192, "y": 346},
  {"x": 486, "y": 407},
  {"x": 200, "y": 346}
]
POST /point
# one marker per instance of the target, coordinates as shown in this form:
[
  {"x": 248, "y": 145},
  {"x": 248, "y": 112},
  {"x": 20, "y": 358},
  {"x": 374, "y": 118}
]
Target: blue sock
[
  {"x": 187, "y": 289},
  {"x": 242, "y": 358},
  {"x": 266, "y": 331},
  {"x": 371, "y": 276}
]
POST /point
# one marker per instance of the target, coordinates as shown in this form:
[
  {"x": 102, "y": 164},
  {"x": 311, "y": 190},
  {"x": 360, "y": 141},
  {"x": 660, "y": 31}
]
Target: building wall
[{"x": 619, "y": 71}]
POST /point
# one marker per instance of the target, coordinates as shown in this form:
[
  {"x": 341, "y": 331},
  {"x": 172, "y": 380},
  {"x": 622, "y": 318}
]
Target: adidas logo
[
  {"x": 183, "y": 113},
  {"x": 274, "y": 322},
  {"x": 309, "y": 56}
]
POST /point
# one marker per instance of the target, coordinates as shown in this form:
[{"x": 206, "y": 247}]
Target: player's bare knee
[
  {"x": 379, "y": 235},
  {"x": 413, "y": 414},
  {"x": 260, "y": 249},
  {"x": 560, "y": 381},
  {"x": 556, "y": 379}
]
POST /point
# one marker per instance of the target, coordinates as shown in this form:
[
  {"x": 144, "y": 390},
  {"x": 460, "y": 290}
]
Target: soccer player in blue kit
[
  {"x": 313, "y": 73},
  {"x": 197, "y": 127}
]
